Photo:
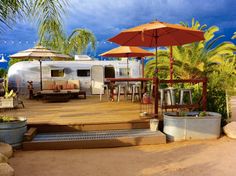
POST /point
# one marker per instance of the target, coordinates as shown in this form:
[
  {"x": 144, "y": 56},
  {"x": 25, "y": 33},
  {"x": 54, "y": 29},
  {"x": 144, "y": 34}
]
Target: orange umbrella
[
  {"x": 156, "y": 34},
  {"x": 127, "y": 51}
]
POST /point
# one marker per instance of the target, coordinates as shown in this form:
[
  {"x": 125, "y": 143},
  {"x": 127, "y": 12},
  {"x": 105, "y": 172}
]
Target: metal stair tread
[{"x": 94, "y": 135}]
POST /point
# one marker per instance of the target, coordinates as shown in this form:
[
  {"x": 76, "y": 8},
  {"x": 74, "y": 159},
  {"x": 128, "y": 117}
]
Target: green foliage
[
  {"x": 47, "y": 14},
  {"x": 217, "y": 102},
  {"x": 3, "y": 72},
  {"x": 202, "y": 114},
  {"x": 195, "y": 60},
  {"x": 79, "y": 40},
  {"x": 13, "y": 61},
  {"x": 207, "y": 58},
  {"x": 51, "y": 32},
  {"x": 76, "y": 43},
  {"x": 6, "y": 119},
  {"x": 234, "y": 36},
  {"x": 9, "y": 9}
]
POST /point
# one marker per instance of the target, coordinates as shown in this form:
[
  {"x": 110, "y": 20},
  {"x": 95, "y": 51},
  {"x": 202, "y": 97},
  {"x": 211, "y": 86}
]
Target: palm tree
[
  {"x": 48, "y": 16},
  {"x": 51, "y": 32},
  {"x": 76, "y": 43},
  {"x": 9, "y": 9},
  {"x": 234, "y": 36},
  {"x": 46, "y": 13},
  {"x": 206, "y": 58},
  {"x": 197, "y": 59}
]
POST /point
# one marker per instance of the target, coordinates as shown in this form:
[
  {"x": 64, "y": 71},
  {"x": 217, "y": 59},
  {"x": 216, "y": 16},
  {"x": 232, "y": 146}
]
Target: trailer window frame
[
  {"x": 83, "y": 72},
  {"x": 57, "y": 73}
]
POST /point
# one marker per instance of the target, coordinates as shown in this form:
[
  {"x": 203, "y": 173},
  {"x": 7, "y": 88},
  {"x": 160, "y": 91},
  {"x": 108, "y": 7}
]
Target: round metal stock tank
[
  {"x": 13, "y": 132},
  {"x": 179, "y": 128}
]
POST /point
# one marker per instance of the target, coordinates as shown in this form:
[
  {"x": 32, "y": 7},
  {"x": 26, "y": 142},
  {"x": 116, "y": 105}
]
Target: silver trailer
[{"x": 88, "y": 72}]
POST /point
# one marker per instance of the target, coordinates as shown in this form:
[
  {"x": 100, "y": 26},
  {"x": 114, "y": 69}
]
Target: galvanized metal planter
[
  {"x": 13, "y": 132},
  {"x": 179, "y": 128}
]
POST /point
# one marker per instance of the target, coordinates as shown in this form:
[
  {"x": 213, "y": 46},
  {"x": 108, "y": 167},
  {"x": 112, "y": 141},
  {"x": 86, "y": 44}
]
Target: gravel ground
[{"x": 192, "y": 158}]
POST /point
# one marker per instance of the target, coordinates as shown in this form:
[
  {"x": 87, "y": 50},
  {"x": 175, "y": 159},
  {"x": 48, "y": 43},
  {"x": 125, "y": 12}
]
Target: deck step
[
  {"x": 94, "y": 139},
  {"x": 54, "y": 128}
]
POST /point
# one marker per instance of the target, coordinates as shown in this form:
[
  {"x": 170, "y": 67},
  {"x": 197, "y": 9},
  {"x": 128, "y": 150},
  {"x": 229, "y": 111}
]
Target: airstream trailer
[{"x": 87, "y": 71}]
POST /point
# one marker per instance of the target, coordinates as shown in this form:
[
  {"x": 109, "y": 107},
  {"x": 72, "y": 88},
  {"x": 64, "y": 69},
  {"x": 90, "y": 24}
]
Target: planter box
[
  {"x": 7, "y": 102},
  {"x": 178, "y": 128},
  {"x": 13, "y": 132}
]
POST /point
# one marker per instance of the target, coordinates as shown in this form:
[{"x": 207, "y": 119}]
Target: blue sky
[{"x": 106, "y": 18}]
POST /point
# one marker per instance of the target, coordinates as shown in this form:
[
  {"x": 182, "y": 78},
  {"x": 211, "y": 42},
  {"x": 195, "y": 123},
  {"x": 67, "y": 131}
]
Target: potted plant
[
  {"x": 8, "y": 100},
  {"x": 147, "y": 95},
  {"x": 12, "y": 130}
]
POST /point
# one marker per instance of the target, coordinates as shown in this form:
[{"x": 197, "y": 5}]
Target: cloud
[{"x": 106, "y": 18}]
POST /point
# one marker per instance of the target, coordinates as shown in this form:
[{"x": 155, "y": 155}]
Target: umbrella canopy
[
  {"x": 39, "y": 53},
  {"x": 128, "y": 51},
  {"x": 3, "y": 59},
  {"x": 156, "y": 34}
]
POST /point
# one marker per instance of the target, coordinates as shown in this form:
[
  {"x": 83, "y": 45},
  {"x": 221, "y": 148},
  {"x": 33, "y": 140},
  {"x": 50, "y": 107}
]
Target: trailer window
[
  {"x": 109, "y": 72},
  {"x": 83, "y": 73},
  {"x": 123, "y": 71},
  {"x": 57, "y": 73}
]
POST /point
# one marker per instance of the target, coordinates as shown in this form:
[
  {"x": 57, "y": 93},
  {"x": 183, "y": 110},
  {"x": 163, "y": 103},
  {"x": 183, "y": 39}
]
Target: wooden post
[
  {"x": 156, "y": 81},
  {"x": 41, "y": 75},
  {"x": 204, "y": 94},
  {"x": 142, "y": 67},
  {"x": 171, "y": 65}
]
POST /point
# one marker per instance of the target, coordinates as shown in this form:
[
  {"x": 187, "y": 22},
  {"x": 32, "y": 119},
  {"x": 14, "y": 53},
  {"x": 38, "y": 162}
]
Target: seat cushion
[
  {"x": 61, "y": 83},
  {"x": 48, "y": 85},
  {"x": 70, "y": 86},
  {"x": 76, "y": 83}
]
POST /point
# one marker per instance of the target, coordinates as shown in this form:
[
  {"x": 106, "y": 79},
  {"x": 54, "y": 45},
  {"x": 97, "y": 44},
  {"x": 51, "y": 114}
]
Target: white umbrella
[
  {"x": 3, "y": 59},
  {"x": 39, "y": 53}
]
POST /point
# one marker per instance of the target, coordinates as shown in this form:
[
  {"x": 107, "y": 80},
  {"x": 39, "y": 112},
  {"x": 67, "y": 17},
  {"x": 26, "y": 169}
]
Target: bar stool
[
  {"x": 104, "y": 87},
  {"x": 136, "y": 91},
  {"x": 167, "y": 96},
  {"x": 182, "y": 93},
  {"x": 121, "y": 87}
]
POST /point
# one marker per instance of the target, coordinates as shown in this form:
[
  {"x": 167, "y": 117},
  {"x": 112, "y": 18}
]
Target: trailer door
[{"x": 97, "y": 78}]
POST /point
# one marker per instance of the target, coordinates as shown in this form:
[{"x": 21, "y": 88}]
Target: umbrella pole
[
  {"x": 156, "y": 87},
  {"x": 143, "y": 67},
  {"x": 171, "y": 65},
  {"x": 127, "y": 66},
  {"x": 40, "y": 68}
]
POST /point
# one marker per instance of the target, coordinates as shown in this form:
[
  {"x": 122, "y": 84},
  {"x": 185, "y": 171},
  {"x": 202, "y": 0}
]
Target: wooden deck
[{"x": 82, "y": 114}]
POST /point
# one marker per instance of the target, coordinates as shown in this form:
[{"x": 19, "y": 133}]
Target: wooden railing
[{"x": 156, "y": 82}]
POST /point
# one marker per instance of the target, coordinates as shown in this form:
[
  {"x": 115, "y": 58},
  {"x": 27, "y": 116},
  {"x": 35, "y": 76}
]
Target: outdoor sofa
[{"x": 61, "y": 90}]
